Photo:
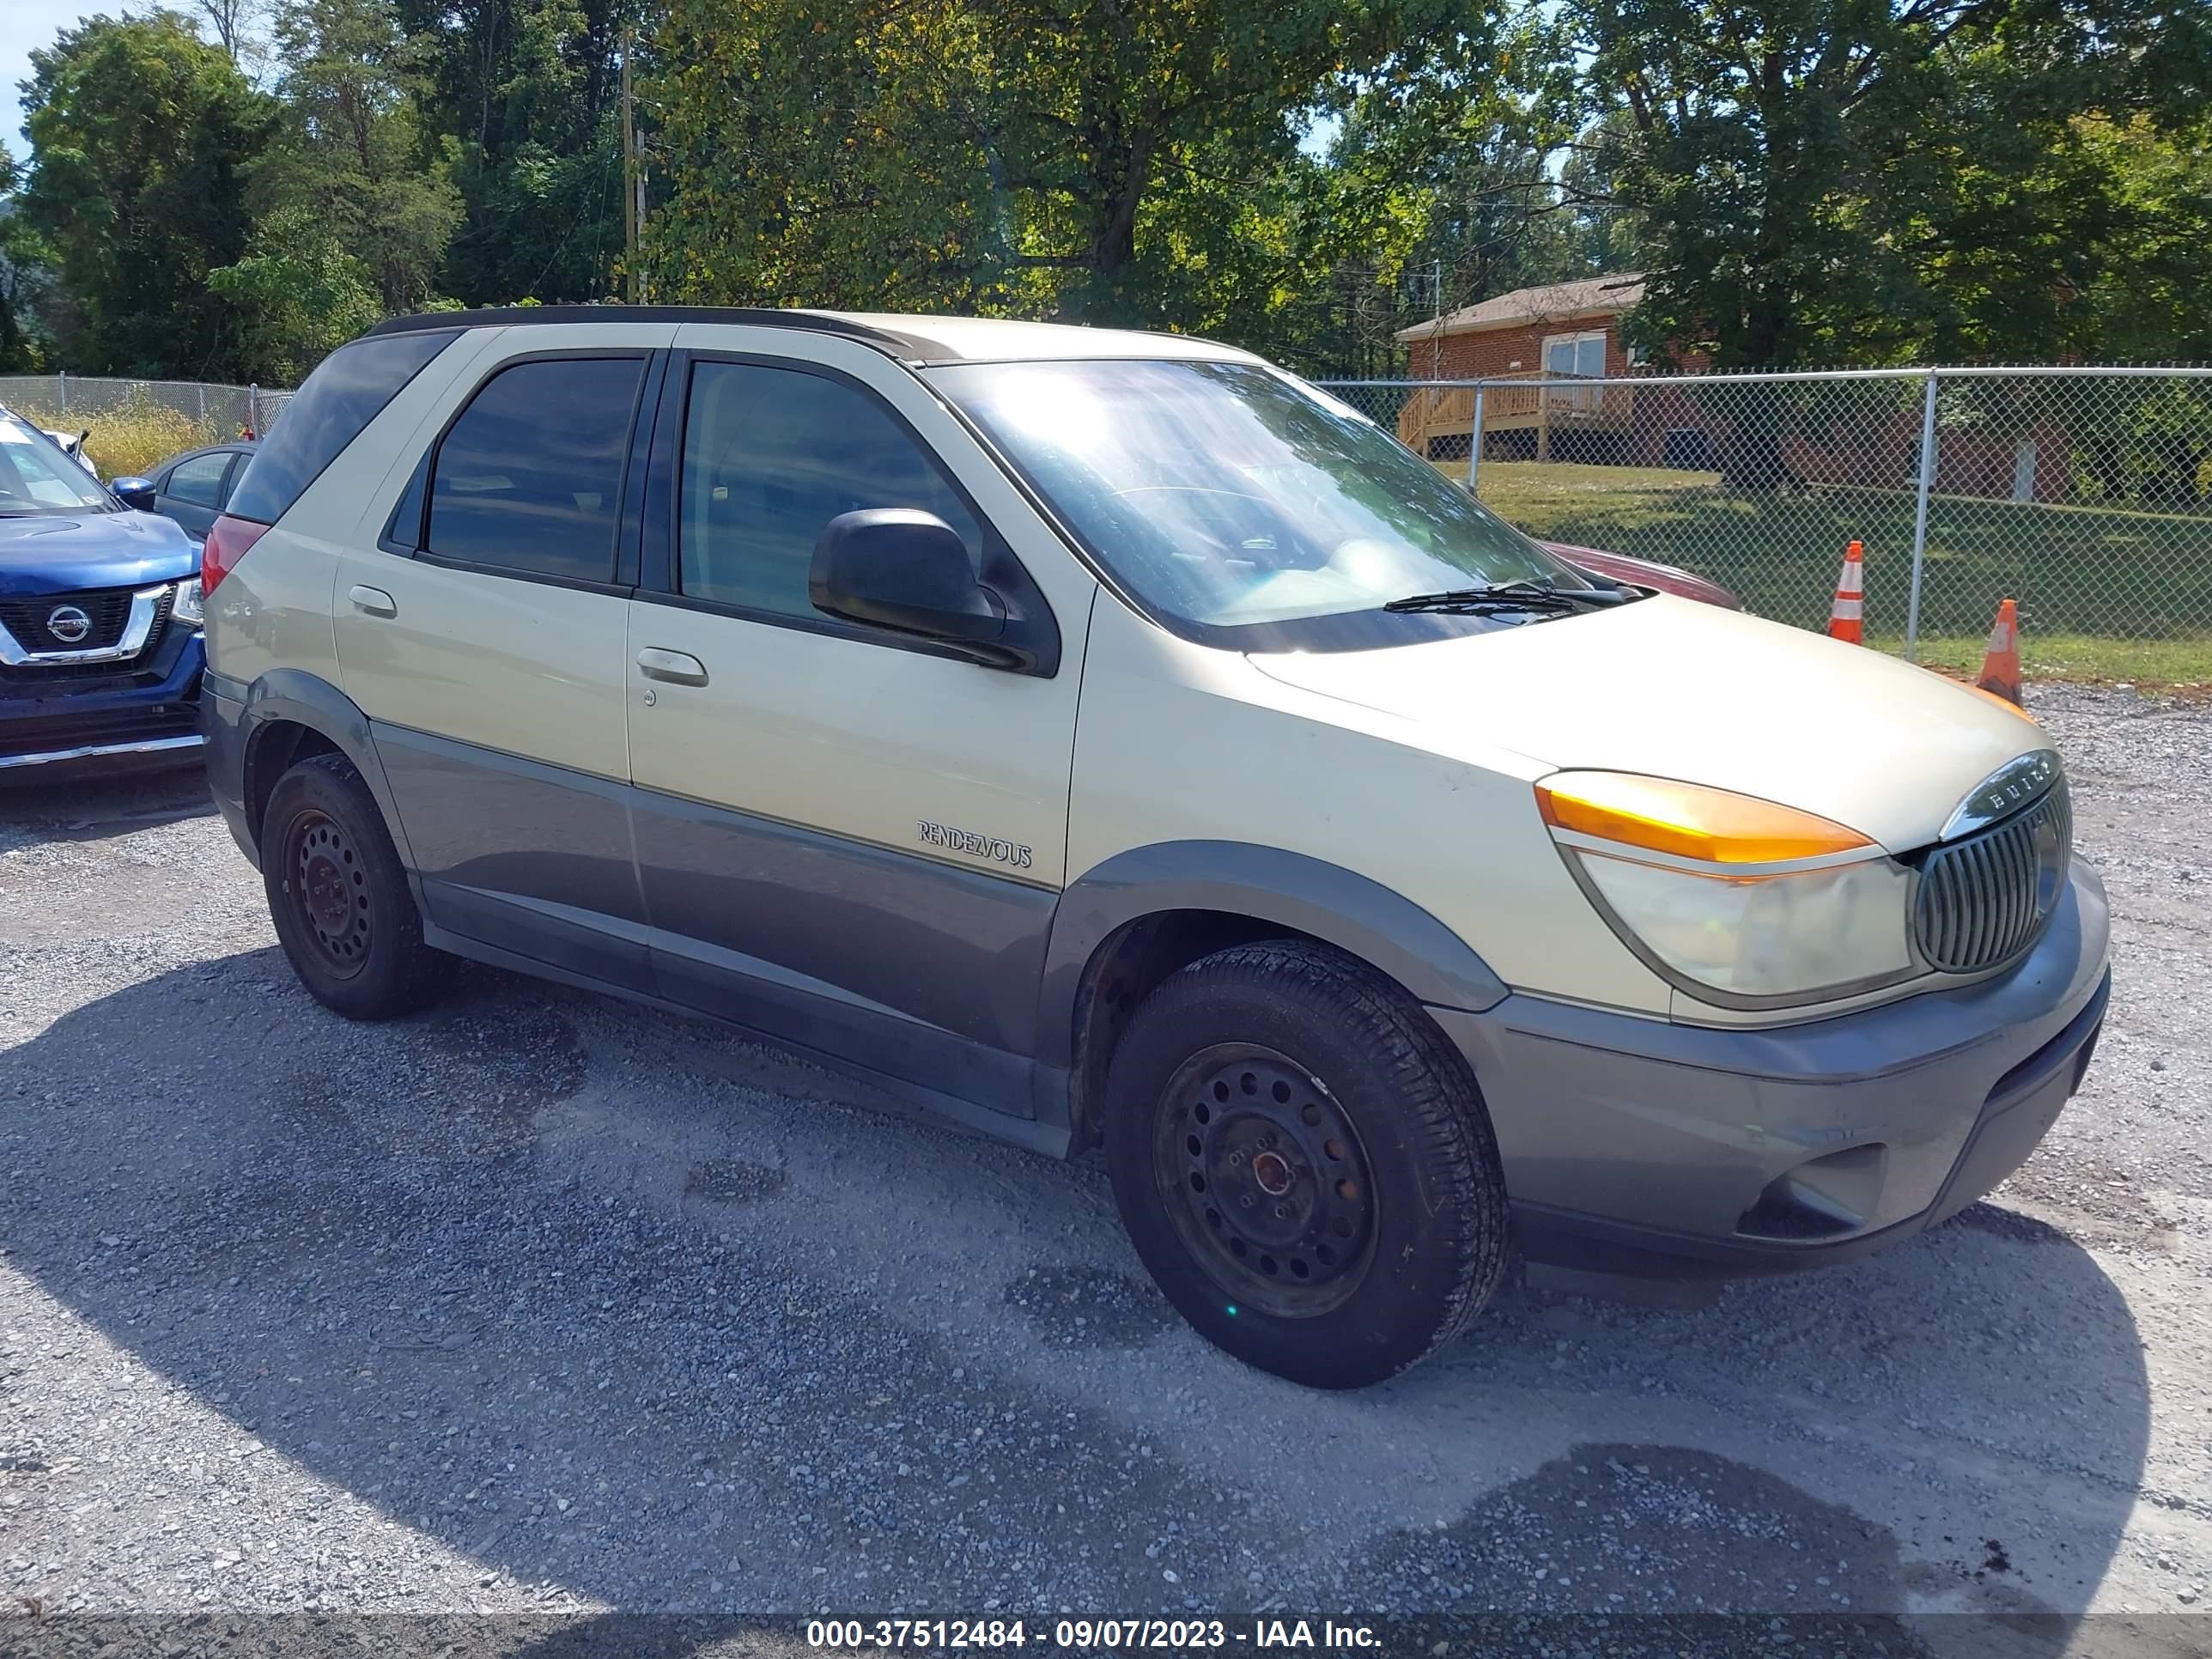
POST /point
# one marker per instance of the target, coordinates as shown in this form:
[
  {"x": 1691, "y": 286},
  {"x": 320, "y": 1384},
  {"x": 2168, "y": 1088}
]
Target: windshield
[
  {"x": 36, "y": 477},
  {"x": 1251, "y": 511}
]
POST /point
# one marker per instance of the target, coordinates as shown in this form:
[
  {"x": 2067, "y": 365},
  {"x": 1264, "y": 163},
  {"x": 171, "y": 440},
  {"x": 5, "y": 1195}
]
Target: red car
[{"x": 1645, "y": 572}]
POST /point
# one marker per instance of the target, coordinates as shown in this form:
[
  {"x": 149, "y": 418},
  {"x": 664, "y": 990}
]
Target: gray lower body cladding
[
  {"x": 1634, "y": 1146},
  {"x": 223, "y": 729}
]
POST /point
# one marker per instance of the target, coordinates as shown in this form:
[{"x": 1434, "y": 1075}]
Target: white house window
[
  {"x": 1578, "y": 355},
  {"x": 1575, "y": 356}
]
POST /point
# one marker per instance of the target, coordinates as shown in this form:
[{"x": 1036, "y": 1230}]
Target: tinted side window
[
  {"x": 770, "y": 456},
  {"x": 404, "y": 527},
  {"x": 530, "y": 477},
  {"x": 198, "y": 481},
  {"x": 347, "y": 391}
]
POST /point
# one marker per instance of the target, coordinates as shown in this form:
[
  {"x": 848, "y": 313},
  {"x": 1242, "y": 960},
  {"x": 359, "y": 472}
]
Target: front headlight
[
  {"x": 185, "y": 608},
  {"x": 1735, "y": 900}
]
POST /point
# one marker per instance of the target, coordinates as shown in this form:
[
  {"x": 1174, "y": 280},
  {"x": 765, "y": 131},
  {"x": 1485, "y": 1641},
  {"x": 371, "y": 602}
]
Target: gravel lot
[{"x": 540, "y": 1303}]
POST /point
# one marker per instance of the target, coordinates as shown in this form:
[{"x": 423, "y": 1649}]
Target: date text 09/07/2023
[{"x": 1086, "y": 1634}]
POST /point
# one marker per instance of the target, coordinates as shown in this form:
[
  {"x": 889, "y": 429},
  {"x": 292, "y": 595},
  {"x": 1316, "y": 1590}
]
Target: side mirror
[
  {"x": 898, "y": 567},
  {"x": 137, "y": 493}
]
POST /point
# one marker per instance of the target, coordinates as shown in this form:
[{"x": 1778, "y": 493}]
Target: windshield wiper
[{"x": 1524, "y": 594}]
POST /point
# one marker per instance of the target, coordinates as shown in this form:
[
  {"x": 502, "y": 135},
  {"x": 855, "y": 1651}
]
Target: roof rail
[{"x": 756, "y": 316}]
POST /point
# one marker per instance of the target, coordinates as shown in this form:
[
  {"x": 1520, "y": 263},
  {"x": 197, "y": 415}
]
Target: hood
[
  {"x": 1677, "y": 689},
  {"x": 65, "y": 552}
]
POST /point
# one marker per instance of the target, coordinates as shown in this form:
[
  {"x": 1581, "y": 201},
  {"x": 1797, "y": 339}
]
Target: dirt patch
[
  {"x": 1651, "y": 1529},
  {"x": 2092, "y": 1204},
  {"x": 509, "y": 1061}
]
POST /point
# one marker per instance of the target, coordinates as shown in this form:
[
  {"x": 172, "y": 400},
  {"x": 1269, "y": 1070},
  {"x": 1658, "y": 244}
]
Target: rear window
[{"x": 343, "y": 395}]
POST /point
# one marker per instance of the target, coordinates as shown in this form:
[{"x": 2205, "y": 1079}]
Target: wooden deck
[{"x": 1520, "y": 403}]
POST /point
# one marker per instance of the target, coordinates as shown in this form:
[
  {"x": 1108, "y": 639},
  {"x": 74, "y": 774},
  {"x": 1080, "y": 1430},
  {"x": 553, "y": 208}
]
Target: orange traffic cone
[
  {"x": 2001, "y": 662},
  {"x": 1845, "y": 618}
]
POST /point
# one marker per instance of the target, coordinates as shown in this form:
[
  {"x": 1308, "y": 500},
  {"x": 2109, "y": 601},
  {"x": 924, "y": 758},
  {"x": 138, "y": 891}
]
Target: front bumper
[
  {"x": 1633, "y": 1146},
  {"x": 145, "y": 712}
]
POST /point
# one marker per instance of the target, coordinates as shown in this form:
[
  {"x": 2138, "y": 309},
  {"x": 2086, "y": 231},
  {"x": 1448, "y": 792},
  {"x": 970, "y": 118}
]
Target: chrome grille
[
  {"x": 106, "y": 637},
  {"x": 1985, "y": 897},
  {"x": 106, "y": 610}
]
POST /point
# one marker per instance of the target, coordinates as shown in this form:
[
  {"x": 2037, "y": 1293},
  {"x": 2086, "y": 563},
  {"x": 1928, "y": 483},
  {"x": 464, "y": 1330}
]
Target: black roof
[{"x": 757, "y": 316}]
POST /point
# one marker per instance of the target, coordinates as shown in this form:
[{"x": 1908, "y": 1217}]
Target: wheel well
[
  {"x": 1123, "y": 971},
  {"x": 276, "y": 748}
]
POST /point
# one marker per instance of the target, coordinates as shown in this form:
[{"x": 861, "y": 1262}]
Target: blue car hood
[{"x": 61, "y": 552}]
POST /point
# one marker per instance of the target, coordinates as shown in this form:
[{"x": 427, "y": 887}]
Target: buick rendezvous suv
[{"x": 1108, "y": 739}]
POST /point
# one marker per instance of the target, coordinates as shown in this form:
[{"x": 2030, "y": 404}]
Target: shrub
[{"x": 130, "y": 437}]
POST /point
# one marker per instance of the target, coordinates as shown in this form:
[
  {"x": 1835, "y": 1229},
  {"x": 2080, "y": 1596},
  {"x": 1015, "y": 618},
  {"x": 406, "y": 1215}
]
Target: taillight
[{"x": 228, "y": 540}]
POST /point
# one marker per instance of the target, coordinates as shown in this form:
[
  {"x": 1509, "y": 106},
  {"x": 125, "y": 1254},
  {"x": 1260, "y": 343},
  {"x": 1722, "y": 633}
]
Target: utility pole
[
  {"x": 1436, "y": 332},
  {"x": 633, "y": 179}
]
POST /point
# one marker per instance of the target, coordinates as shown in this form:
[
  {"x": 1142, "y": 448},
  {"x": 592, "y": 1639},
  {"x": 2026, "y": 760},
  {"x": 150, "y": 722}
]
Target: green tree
[
  {"x": 23, "y": 261},
  {"x": 142, "y": 137},
  {"x": 1605, "y": 232},
  {"x": 1828, "y": 181},
  {"x": 352, "y": 157},
  {"x": 1030, "y": 155},
  {"x": 1456, "y": 160},
  {"x": 1456, "y": 179},
  {"x": 235, "y": 23},
  {"x": 2147, "y": 303},
  {"x": 526, "y": 90},
  {"x": 300, "y": 294}
]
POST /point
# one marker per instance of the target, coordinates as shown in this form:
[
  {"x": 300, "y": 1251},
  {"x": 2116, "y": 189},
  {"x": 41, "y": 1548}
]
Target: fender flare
[
  {"x": 308, "y": 700},
  {"x": 1306, "y": 895}
]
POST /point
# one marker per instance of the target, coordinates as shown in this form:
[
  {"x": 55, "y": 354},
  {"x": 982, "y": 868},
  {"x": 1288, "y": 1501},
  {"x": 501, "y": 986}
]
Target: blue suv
[{"x": 100, "y": 616}]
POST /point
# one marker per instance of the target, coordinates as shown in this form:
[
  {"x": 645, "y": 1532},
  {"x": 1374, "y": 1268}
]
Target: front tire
[
  {"x": 339, "y": 898},
  {"x": 1304, "y": 1165}
]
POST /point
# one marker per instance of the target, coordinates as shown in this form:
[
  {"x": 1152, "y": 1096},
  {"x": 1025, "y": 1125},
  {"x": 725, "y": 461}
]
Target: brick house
[
  {"x": 1526, "y": 342},
  {"x": 1560, "y": 331},
  {"x": 1564, "y": 328}
]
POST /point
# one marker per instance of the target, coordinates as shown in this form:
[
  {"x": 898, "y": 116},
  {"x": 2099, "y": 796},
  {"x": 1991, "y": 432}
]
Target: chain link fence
[
  {"x": 225, "y": 411},
  {"x": 133, "y": 424},
  {"x": 2085, "y": 495}
]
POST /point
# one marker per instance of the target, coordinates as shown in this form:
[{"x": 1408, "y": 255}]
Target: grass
[
  {"x": 2105, "y": 593},
  {"x": 131, "y": 438}
]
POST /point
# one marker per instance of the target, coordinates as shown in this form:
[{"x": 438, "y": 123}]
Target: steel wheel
[
  {"x": 1266, "y": 1180},
  {"x": 329, "y": 892}
]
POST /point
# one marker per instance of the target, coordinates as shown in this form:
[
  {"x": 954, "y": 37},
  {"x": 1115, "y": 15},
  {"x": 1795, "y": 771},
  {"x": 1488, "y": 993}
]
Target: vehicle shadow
[
  {"x": 84, "y": 805},
  {"x": 613, "y": 1302}
]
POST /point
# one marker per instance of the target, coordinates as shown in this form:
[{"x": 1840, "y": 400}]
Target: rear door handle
[
  {"x": 677, "y": 667},
  {"x": 373, "y": 600}
]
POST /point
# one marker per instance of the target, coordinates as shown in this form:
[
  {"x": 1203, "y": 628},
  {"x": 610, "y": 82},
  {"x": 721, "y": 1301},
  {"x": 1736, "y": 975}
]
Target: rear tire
[
  {"x": 340, "y": 900},
  {"x": 1304, "y": 1165}
]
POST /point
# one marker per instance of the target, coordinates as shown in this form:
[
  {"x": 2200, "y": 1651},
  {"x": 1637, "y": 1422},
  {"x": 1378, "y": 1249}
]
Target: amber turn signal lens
[{"x": 1688, "y": 819}]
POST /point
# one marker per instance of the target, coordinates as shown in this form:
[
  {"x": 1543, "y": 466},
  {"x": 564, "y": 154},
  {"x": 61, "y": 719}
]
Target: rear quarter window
[{"x": 346, "y": 392}]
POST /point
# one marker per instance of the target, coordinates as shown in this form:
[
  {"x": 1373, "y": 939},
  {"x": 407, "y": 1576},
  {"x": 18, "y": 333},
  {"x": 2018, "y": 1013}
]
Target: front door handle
[
  {"x": 677, "y": 667},
  {"x": 373, "y": 600}
]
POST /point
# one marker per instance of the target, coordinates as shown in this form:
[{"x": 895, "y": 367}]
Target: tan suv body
[{"x": 1108, "y": 738}]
